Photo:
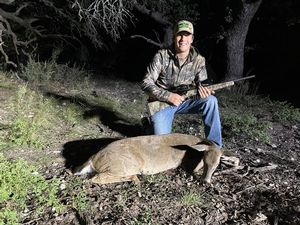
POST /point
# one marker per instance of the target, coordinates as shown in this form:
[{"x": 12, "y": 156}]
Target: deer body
[{"x": 122, "y": 160}]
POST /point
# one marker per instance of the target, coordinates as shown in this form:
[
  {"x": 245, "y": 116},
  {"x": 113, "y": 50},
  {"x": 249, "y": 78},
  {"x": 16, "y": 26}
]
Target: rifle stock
[{"x": 213, "y": 87}]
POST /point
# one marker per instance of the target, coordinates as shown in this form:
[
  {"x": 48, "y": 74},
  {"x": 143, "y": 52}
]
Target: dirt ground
[{"x": 263, "y": 190}]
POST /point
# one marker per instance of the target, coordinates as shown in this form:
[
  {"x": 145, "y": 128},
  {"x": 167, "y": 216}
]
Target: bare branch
[
  {"x": 26, "y": 23},
  {"x": 7, "y": 2},
  {"x": 6, "y": 29},
  {"x": 111, "y": 15},
  {"x": 7, "y": 61}
]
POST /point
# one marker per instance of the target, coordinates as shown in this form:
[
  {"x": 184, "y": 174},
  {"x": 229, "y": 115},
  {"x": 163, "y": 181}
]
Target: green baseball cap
[{"x": 184, "y": 25}]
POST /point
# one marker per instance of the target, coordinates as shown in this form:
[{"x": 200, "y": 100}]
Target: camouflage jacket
[{"x": 165, "y": 72}]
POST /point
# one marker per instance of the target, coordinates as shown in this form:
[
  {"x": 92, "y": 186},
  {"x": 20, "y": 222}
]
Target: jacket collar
[{"x": 192, "y": 54}]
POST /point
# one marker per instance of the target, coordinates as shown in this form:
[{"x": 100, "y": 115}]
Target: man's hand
[
  {"x": 175, "y": 99},
  {"x": 204, "y": 92}
]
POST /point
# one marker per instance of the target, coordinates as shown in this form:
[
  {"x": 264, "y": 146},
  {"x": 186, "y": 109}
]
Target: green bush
[
  {"x": 37, "y": 71},
  {"x": 73, "y": 77},
  {"x": 23, "y": 189}
]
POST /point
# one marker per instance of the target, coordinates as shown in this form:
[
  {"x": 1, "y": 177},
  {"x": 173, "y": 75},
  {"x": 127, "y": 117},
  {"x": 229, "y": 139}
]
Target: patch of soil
[{"x": 263, "y": 190}]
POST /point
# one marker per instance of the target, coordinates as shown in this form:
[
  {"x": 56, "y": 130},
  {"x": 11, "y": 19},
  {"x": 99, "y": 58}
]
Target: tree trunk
[
  {"x": 168, "y": 36},
  {"x": 236, "y": 37}
]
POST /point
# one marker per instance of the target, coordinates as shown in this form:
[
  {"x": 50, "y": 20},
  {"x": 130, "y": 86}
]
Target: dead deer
[{"x": 124, "y": 159}]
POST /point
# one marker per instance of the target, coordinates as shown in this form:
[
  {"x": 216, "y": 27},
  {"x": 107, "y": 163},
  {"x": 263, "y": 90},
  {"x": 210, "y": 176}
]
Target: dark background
[
  {"x": 272, "y": 53},
  {"x": 271, "y": 50}
]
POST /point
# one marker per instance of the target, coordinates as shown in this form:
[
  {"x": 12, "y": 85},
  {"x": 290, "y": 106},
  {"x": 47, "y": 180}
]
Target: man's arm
[{"x": 149, "y": 85}]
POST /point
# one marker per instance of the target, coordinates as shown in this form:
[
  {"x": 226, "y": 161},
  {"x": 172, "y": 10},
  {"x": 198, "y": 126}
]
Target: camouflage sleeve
[
  {"x": 149, "y": 85},
  {"x": 201, "y": 74}
]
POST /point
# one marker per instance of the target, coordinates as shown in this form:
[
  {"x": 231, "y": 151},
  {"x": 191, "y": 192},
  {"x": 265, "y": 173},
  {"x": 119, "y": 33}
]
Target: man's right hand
[{"x": 175, "y": 99}]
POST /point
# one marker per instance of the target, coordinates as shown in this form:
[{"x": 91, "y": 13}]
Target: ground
[{"x": 263, "y": 190}]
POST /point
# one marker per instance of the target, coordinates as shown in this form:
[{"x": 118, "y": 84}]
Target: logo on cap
[{"x": 184, "y": 25}]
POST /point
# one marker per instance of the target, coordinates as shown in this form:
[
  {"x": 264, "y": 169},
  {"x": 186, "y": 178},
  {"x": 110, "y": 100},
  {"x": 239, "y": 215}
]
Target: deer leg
[
  {"x": 211, "y": 161},
  {"x": 199, "y": 166},
  {"x": 104, "y": 178}
]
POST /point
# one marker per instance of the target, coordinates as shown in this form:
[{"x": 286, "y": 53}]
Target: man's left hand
[{"x": 204, "y": 92}]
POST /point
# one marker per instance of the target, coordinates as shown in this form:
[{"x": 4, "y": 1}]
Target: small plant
[
  {"x": 143, "y": 218},
  {"x": 191, "y": 197},
  {"x": 156, "y": 178},
  {"x": 121, "y": 200},
  {"x": 79, "y": 198},
  {"x": 36, "y": 71},
  {"x": 80, "y": 202},
  {"x": 22, "y": 188}
]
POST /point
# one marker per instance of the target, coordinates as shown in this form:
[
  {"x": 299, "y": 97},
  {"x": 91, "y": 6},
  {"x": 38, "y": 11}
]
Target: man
[{"x": 182, "y": 64}]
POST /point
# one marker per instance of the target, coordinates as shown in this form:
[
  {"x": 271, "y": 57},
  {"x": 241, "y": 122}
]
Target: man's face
[{"x": 183, "y": 41}]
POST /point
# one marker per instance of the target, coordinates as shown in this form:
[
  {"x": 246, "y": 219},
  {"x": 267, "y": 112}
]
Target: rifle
[{"x": 190, "y": 90}]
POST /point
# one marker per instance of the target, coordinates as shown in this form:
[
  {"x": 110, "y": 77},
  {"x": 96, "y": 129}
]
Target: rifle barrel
[{"x": 244, "y": 78}]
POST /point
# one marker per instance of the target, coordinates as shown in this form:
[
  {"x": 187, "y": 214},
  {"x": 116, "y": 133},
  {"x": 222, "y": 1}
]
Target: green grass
[
  {"x": 156, "y": 178},
  {"x": 251, "y": 115},
  {"x": 79, "y": 197},
  {"x": 246, "y": 124},
  {"x": 191, "y": 198},
  {"x": 285, "y": 113},
  {"x": 34, "y": 117},
  {"x": 144, "y": 218},
  {"x": 23, "y": 188},
  {"x": 29, "y": 119}
]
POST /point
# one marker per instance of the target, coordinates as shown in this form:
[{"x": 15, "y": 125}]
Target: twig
[
  {"x": 230, "y": 170},
  {"x": 248, "y": 188},
  {"x": 259, "y": 169},
  {"x": 246, "y": 173},
  {"x": 265, "y": 168},
  {"x": 31, "y": 221}
]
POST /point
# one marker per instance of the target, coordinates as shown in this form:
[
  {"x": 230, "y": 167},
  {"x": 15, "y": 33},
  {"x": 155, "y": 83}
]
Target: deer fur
[{"x": 124, "y": 159}]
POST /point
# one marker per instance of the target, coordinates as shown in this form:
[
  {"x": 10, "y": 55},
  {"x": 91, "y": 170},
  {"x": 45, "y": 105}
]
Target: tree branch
[
  {"x": 7, "y": 61},
  {"x": 110, "y": 15},
  {"x": 6, "y": 2},
  {"x": 147, "y": 40}
]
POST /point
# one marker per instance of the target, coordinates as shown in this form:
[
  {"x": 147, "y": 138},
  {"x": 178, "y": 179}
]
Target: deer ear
[{"x": 200, "y": 147}]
